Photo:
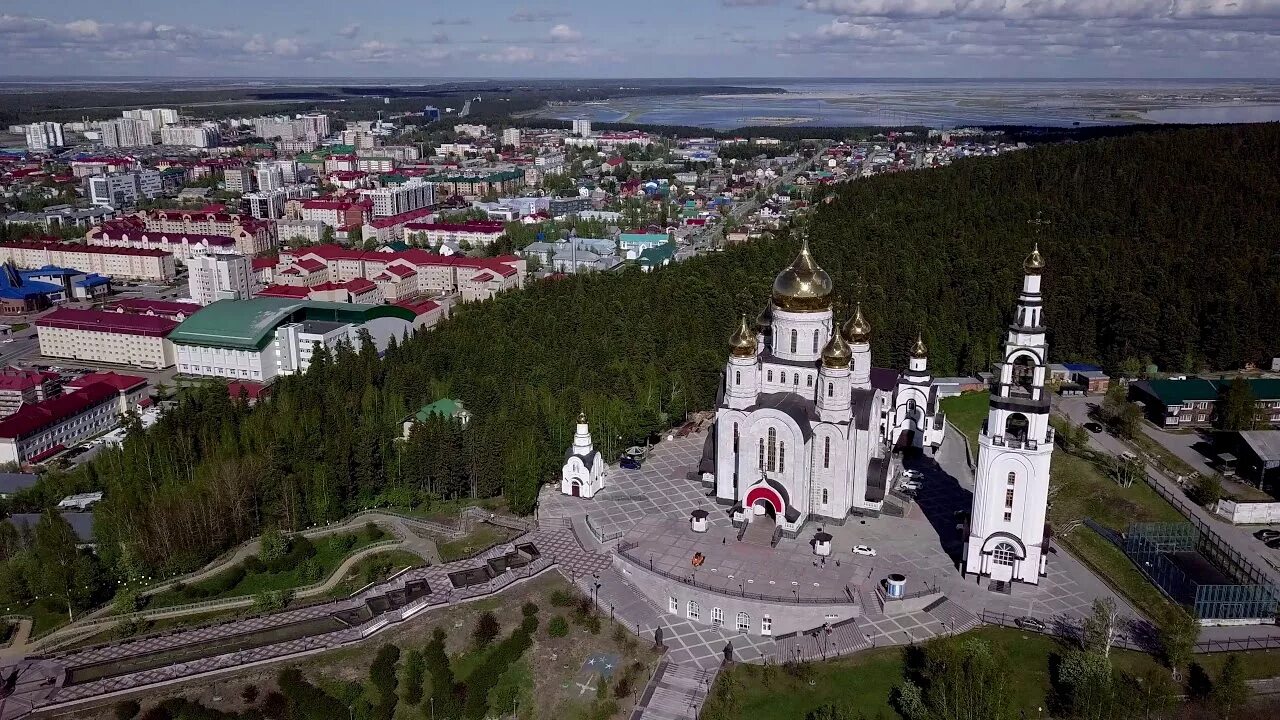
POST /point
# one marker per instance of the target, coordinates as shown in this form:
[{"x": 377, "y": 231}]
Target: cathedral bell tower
[
  {"x": 833, "y": 393},
  {"x": 1011, "y": 486},
  {"x": 742, "y": 374}
]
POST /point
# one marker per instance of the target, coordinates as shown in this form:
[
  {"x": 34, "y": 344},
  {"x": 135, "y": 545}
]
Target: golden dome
[
  {"x": 918, "y": 351},
  {"x": 836, "y": 353},
  {"x": 1034, "y": 264},
  {"x": 857, "y": 329},
  {"x": 803, "y": 287},
  {"x": 743, "y": 342},
  {"x": 764, "y": 321}
]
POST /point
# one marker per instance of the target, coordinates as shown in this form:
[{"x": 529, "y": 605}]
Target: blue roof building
[{"x": 19, "y": 296}]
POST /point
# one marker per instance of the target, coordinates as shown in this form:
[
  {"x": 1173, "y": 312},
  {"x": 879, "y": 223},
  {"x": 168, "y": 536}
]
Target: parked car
[
  {"x": 1026, "y": 622},
  {"x": 909, "y": 486},
  {"x": 864, "y": 550},
  {"x": 1273, "y": 543},
  {"x": 1093, "y": 427},
  {"x": 912, "y": 474},
  {"x": 1266, "y": 534},
  {"x": 630, "y": 463}
]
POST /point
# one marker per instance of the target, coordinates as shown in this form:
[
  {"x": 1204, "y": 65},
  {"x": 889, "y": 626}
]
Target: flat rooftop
[{"x": 785, "y": 572}]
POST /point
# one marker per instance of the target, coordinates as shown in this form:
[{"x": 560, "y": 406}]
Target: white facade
[
  {"x": 220, "y": 277},
  {"x": 43, "y": 136},
  {"x": 270, "y": 176},
  {"x": 155, "y": 118},
  {"x": 511, "y": 136},
  {"x": 582, "y": 126},
  {"x": 126, "y": 132},
  {"x": 802, "y": 431},
  {"x": 583, "y": 472},
  {"x": 201, "y": 136},
  {"x": 103, "y": 345},
  {"x": 403, "y": 198},
  {"x": 1011, "y": 487},
  {"x": 121, "y": 190}
]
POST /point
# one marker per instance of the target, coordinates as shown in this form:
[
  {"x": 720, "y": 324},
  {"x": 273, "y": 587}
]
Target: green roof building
[{"x": 446, "y": 408}]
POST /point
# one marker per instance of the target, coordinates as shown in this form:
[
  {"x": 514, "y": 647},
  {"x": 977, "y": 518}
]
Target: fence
[
  {"x": 1064, "y": 631},
  {"x": 602, "y": 537},
  {"x": 795, "y": 598}
]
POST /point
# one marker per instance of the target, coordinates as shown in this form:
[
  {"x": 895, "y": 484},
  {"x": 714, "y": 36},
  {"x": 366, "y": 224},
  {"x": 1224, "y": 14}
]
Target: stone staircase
[
  {"x": 954, "y": 617},
  {"x": 816, "y": 644},
  {"x": 675, "y": 693}
]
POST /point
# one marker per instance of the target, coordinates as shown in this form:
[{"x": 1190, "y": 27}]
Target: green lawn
[
  {"x": 482, "y": 535},
  {"x": 373, "y": 568},
  {"x": 967, "y": 412},
  {"x": 1081, "y": 489},
  {"x": 864, "y": 682},
  {"x": 330, "y": 551},
  {"x": 45, "y": 615}
]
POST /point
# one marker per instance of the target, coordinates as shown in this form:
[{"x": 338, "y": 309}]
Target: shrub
[
  {"x": 127, "y": 601},
  {"x": 126, "y": 709},
  {"x": 377, "y": 569},
  {"x": 311, "y": 570},
  {"x": 272, "y": 546},
  {"x": 253, "y": 564},
  {"x": 415, "y": 666},
  {"x": 560, "y": 598},
  {"x": 271, "y": 600},
  {"x": 157, "y": 713},
  {"x": 249, "y": 694},
  {"x": 382, "y": 675},
  {"x": 486, "y": 629},
  {"x": 343, "y": 543},
  {"x": 529, "y": 608},
  {"x": 129, "y": 628},
  {"x": 558, "y": 627},
  {"x": 372, "y": 532},
  {"x": 274, "y": 706}
]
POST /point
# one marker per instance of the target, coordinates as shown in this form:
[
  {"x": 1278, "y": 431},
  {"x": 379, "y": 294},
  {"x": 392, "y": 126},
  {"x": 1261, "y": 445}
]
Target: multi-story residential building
[
  {"x": 220, "y": 277},
  {"x": 473, "y": 131},
  {"x": 238, "y": 179},
  {"x": 315, "y": 124},
  {"x": 296, "y": 231},
  {"x": 106, "y": 337},
  {"x": 44, "y": 136},
  {"x": 19, "y": 386},
  {"x": 201, "y": 136},
  {"x": 155, "y": 118},
  {"x": 123, "y": 190},
  {"x": 269, "y": 176},
  {"x": 46, "y": 428},
  {"x": 337, "y": 214},
  {"x": 266, "y": 204},
  {"x": 400, "y": 153},
  {"x": 375, "y": 163},
  {"x": 120, "y": 263},
  {"x": 391, "y": 227},
  {"x": 85, "y": 167},
  {"x": 405, "y": 197},
  {"x": 126, "y": 132},
  {"x": 511, "y": 137},
  {"x": 186, "y": 235},
  {"x": 475, "y": 184},
  {"x": 476, "y": 233},
  {"x": 582, "y": 126},
  {"x": 468, "y": 278}
]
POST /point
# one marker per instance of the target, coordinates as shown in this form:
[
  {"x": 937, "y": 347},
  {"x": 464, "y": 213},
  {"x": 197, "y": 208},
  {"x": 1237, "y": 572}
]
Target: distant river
[{"x": 951, "y": 103}]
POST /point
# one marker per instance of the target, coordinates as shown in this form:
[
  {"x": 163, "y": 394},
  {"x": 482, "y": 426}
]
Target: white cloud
[
  {"x": 510, "y": 54},
  {"x": 535, "y": 16},
  {"x": 350, "y": 31},
  {"x": 564, "y": 33}
]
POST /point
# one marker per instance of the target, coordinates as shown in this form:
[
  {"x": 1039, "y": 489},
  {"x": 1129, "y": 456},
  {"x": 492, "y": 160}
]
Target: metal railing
[
  {"x": 601, "y": 536},
  {"x": 1060, "y": 628},
  {"x": 795, "y": 598}
]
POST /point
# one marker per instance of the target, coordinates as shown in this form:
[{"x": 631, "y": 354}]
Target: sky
[{"x": 655, "y": 38}]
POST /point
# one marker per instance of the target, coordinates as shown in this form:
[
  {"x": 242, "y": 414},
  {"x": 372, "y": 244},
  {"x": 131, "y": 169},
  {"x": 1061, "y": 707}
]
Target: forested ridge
[{"x": 1160, "y": 245}]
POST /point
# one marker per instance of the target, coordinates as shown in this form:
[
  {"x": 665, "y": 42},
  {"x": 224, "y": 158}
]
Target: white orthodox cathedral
[{"x": 805, "y": 426}]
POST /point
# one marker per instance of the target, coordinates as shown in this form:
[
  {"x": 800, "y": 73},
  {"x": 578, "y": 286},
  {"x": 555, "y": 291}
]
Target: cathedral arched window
[
  {"x": 773, "y": 449},
  {"x": 782, "y": 456},
  {"x": 826, "y": 457},
  {"x": 795, "y": 338},
  {"x": 761, "y": 453},
  {"x": 1004, "y": 554},
  {"x": 1012, "y": 479},
  {"x": 831, "y": 390},
  {"x": 737, "y": 377},
  {"x": 824, "y": 496},
  {"x": 796, "y": 380},
  {"x": 770, "y": 376},
  {"x": 782, "y": 377},
  {"x": 744, "y": 622},
  {"x": 693, "y": 610},
  {"x": 808, "y": 381},
  {"x": 815, "y": 341}
]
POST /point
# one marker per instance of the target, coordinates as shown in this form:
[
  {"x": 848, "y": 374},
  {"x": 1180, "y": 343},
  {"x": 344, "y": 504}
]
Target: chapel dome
[
  {"x": 1034, "y": 264},
  {"x": 743, "y": 342},
  {"x": 836, "y": 353},
  {"x": 803, "y": 287},
  {"x": 764, "y": 321},
  {"x": 857, "y": 329}
]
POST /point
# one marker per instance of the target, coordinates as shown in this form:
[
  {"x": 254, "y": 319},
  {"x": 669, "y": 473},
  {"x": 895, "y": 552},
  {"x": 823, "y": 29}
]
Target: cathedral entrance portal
[
  {"x": 763, "y": 523},
  {"x": 763, "y": 509},
  {"x": 577, "y": 488}
]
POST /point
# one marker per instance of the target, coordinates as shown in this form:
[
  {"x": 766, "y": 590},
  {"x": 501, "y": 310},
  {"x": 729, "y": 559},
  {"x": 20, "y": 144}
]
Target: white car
[
  {"x": 912, "y": 474},
  {"x": 909, "y": 485},
  {"x": 864, "y": 550}
]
